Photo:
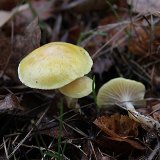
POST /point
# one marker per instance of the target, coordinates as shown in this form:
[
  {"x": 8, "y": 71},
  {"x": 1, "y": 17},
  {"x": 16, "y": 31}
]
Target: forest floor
[{"x": 122, "y": 37}]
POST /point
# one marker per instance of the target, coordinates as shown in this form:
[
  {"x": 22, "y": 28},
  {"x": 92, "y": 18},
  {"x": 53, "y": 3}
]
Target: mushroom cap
[
  {"x": 79, "y": 88},
  {"x": 120, "y": 90},
  {"x": 54, "y": 65}
]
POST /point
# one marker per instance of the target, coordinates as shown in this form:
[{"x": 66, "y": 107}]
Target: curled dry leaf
[
  {"x": 139, "y": 42},
  {"x": 10, "y": 104},
  {"x": 119, "y": 128}
]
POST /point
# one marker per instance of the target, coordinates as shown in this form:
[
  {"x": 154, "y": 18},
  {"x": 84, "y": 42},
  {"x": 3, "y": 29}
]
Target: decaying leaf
[
  {"x": 10, "y": 104},
  {"x": 119, "y": 124},
  {"x": 119, "y": 128},
  {"x": 139, "y": 42},
  {"x": 42, "y": 8},
  {"x": 4, "y": 17},
  {"x": 29, "y": 40},
  {"x": 102, "y": 64},
  {"x": 143, "y": 6},
  {"x": 156, "y": 112},
  {"x": 22, "y": 45},
  {"x": 143, "y": 37}
]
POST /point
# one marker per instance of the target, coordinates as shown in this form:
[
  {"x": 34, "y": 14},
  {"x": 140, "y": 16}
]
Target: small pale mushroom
[
  {"x": 78, "y": 88},
  {"x": 127, "y": 93},
  {"x": 58, "y": 65}
]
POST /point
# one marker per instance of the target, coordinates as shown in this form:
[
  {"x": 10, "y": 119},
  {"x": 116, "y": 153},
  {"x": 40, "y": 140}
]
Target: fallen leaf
[
  {"x": 119, "y": 124},
  {"x": 29, "y": 40},
  {"x": 119, "y": 128},
  {"x": 143, "y": 6},
  {"x": 22, "y": 45},
  {"x": 10, "y": 104},
  {"x": 4, "y": 17},
  {"x": 138, "y": 44},
  {"x": 156, "y": 112},
  {"x": 41, "y": 9},
  {"x": 102, "y": 64}
]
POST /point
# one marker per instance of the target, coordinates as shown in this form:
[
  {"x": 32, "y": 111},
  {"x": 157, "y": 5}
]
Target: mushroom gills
[{"x": 126, "y": 92}]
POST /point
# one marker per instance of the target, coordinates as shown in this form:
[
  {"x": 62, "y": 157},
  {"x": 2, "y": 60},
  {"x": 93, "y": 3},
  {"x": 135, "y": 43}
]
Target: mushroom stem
[
  {"x": 72, "y": 103},
  {"x": 138, "y": 117},
  {"x": 129, "y": 106},
  {"x": 125, "y": 91}
]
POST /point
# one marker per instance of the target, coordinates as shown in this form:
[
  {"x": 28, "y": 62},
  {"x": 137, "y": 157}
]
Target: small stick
[{"x": 154, "y": 152}]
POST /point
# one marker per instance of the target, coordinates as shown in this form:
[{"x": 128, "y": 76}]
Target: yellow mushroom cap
[
  {"x": 79, "y": 88},
  {"x": 120, "y": 90},
  {"x": 54, "y": 65}
]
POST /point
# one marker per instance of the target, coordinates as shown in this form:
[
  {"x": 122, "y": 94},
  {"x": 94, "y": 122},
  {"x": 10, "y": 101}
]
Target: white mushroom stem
[
  {"x": 78, "y": 88},
  {"x": 138, "y": 117},
  {"x": 129, "y": 106},
  {"x": 71, "y": 102}
]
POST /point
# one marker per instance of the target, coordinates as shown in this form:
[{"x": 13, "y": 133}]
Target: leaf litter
[{"x": 122, "y": 42}]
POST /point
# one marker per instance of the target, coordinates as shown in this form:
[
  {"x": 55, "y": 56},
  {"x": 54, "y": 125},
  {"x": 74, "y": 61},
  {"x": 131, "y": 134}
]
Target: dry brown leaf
[
  {"x": 42, "y": 8},
  {"x": 119, "y": 128},
  {"x": 138, "y": 44},
  {"x": 143, "y": 6},
  {"x": 120, "y": 125},
  {"x": 22, "y": 45},
  {"x": 156, "y": 112},
  {"x": 4, "y": 17},
  {"x": 10, "y": 104},
  {"x": 102, "y": 64},
  {"x": 24, "y": 13}
]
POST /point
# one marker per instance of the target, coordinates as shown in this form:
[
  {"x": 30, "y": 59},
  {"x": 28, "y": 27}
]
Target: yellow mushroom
[
  {"x": 56, "y": 65},
  {"x": 127, "y": 93},
  {"x": 78, "y": 88}
]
